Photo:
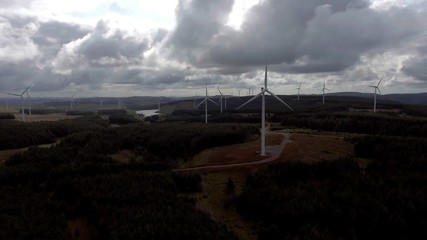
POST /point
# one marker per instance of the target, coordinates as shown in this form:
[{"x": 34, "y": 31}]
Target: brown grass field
[{"x": 308, "y": 148}]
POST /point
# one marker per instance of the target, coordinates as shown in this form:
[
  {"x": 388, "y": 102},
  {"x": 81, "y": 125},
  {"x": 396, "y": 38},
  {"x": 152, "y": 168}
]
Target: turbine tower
[
  {"x": 220, "y": 99},
  {"x": 160, "y": 100},
  {"x": 72, "y": 101},
  {"x": 29, "y": 101},
  {"x": 206, "y": 104},
  {"x": 299, "y": 90},
  {"x": 323, "y": 92},
  {"x": 375, "y": 95},
  {"x": 22, "y": 100},
  {"x": 262, "y": 94}
]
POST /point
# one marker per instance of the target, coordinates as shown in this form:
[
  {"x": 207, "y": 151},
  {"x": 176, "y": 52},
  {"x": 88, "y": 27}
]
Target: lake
[{"x": 148, "y": 113}]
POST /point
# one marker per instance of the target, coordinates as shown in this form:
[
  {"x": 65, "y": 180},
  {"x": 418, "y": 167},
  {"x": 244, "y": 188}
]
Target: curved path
[{"x": 274, "y": 152}]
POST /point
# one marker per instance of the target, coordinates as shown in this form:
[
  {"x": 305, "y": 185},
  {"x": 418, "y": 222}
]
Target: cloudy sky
[{"x": 175, "y": 47}]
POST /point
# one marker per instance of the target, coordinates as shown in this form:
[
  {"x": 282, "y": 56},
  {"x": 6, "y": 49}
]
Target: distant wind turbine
[
  {"x": 220, "y": 98},
  {"x": 206, "y": 104},
  {"x": 375, "y": 95},
  {"x": 119, "y": 103},
  {"x": 323, "y": 92},
  {"x": 72, "y": 101},
  {"x": 262, "y": 94},
  {"x": 194, "y": 101},
  {"x": 22, "y": 100},
  {"x": 29, "y": 102},
  {"x": 299, "y": 90}
]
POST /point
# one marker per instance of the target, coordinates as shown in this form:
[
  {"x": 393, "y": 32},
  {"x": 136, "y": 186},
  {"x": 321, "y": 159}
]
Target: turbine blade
[
  {"x": 26, "y": 89},
  {"x": 212, "y": 101},
  {"x": 380, "y": 81},
  {"x": 250, "y": 100},
  {"x": 201, "y": 103},
  {"x": 280, "y": 100},
  {"x": 13, "y": 94},
  {"x": 379, "y": 91},
  {"x": 327, "y": 89},
  {"x": 301, "y": 90},
  {"x": 219, "y": 91}
]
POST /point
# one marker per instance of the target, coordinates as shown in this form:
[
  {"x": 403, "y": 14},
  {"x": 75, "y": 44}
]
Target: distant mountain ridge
[{"x": 405, "y": 98}]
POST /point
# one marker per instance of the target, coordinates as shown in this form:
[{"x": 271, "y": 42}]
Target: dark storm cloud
[
  {"x": 334, "y": 42},
  {"x": 298, "y": 36}
]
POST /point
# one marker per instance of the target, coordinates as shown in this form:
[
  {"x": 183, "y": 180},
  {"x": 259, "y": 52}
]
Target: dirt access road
[{"x": 272, "y": 151}]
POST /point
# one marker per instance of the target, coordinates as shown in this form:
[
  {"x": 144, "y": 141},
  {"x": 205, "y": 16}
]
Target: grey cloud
[
  {"x": 110, "y": 49},
  {"x": 298, "y": 36},
  {"x": 15, "y": 3},
  {"x": 197, "y": 22},
  {"x": 417, "y": 68},
  {"x": 336, "y": 41},
  {"x": 54, "y": 32},
  {"x": 51, "y": 36},
  {"x": 16, "y": 76}
]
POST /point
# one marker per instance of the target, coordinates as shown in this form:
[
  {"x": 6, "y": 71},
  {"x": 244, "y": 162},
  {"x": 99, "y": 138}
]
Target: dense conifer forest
[
  {"x": 341, "y": 199},
  {"x": 45, "y": 192},
  {"x": 81, "y": 187}
]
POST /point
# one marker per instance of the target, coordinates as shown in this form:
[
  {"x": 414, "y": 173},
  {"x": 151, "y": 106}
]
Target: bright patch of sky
[{"x": 240, "y": 8}]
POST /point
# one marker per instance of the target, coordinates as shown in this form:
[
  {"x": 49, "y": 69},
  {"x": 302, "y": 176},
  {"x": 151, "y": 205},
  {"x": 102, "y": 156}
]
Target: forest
[
  {"x": 341, "y": 200},
  {"x": 76, "y": 188},
  {"x": 80, "y": 187}
]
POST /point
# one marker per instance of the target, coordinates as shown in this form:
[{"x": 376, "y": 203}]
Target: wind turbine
[
  {"x": 375, "y": 95},
  {"x": 262, "y": 94},
  {"x": 158, "y": 104},
  {"x": 299, "y": 90},
  {"x": 220, "y": 99},
  {"x": 194, "y": 101},
  {"x": 72, "y": 101},
  {"x": 238, "y": 90},
  {"x": 29, "y": 102},
  {"x": 323, "y": 92},
  {"x": 119, "y": 103},
  {"x": 206, "y": 104},
  {"x": 22, "y": 100}
]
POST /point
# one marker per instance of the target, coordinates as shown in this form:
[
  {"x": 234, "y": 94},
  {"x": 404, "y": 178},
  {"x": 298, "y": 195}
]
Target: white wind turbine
[
  {"x": 220, "y": 99},
  {"x": 323, "y": 92},
  {"x": 72, "y": 101},
  {"x": 158, "y": 104},
  {"x": 225, "y": 100},
  {"x": 375, "y": 95},
  {"x": 299, "y": 90},
  {"x": 194, "y": 101},
  {"x": 119, "y": 103},
  {"x": 29, "y": 101},
  {"x": 262, "y": 94},
  {"x": 22, "y": 100},
  {"x": 206, "y": 104}
]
